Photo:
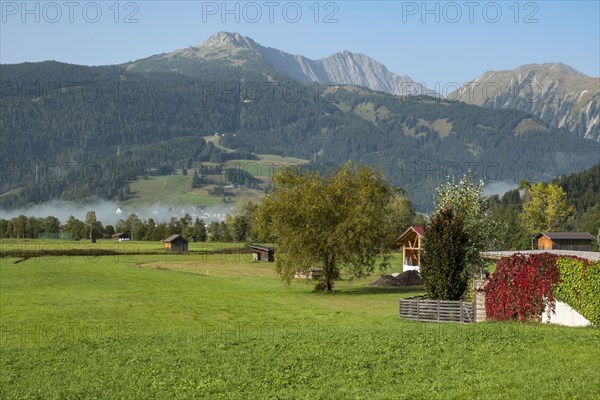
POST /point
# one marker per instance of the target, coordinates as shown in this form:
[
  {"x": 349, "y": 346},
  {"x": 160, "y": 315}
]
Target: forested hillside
[{"x": 77, "y": 132}]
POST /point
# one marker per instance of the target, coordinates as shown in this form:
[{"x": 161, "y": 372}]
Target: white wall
[{"x": 565, "y": 315}]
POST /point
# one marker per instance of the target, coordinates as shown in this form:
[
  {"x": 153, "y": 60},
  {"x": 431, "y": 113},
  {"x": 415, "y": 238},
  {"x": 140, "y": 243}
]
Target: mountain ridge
[
  {"x": 555, "y": 92},
  {"x": 343, "y": 67}
]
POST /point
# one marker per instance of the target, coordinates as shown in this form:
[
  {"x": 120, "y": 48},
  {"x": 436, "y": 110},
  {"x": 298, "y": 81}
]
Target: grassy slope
[
  {"x": 155, "y": 326},
  {"x": 173, "y": 190},
  {"x": 169, "y": 191},
  {"x": 266, "y": 166}
]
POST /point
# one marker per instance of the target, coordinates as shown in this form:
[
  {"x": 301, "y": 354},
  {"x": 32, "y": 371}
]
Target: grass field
[
  {"x": 129, "y": 247},
  {"x": 174, "y": 190},
  {"x": 217, "y": 326},
  {"x": 266, "y": 166},
  {"x": 168, "y": 191}
]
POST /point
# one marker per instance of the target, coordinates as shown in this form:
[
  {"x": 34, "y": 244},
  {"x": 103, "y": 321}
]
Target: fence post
[{"x": 478, "y": 301}]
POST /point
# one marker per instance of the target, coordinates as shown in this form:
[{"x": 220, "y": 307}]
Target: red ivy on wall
[{"x": 521, "y": 287}]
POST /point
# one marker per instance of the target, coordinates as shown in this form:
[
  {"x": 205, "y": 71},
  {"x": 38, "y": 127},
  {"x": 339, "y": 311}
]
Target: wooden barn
[
  {"x": 262, "y": 253},
  {"x": 176, "y": 243},
  {"x": 579, "y": 241},
  {"x": 411, "y": 247}
]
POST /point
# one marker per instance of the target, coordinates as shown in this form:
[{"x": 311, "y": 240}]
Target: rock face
[
  {"x": 361, "y": 70},
  {"x": 340, "y": 68},
  {"x": 344, "y": 68},
  {"x": 558, "y": 94}
]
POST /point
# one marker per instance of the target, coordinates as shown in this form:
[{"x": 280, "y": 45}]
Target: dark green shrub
[{"x": 443, "y": 265}]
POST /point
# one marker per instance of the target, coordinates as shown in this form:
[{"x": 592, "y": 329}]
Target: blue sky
[{"x": 434, "y": 42}]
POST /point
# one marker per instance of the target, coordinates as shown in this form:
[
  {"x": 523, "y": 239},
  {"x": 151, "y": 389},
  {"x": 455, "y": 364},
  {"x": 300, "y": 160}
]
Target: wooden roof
[
  {"x": 175, "y": 237},
  {"x": 260, "y": 247},
  {"x": 419, "y": 230},
  {"x": 566, "y": 235}
]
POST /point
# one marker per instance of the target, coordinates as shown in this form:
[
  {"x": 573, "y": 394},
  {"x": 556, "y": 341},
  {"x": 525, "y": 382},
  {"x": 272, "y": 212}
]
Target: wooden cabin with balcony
[{"x": 411, "y": 248}]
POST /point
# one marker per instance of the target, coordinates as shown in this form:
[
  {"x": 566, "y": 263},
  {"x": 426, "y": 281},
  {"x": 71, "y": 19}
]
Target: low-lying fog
[{"x": 109, "y": 213}]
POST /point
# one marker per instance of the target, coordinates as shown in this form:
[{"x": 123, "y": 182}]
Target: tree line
[
  {"x": 349, "y": 220},
  {"x": 235, "y": 228}
]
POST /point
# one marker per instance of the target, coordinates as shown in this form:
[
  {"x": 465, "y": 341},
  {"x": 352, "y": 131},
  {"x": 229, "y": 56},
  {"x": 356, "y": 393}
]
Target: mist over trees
[
  {"x": 582, "y": 197},
  {"x": 237, "y": 227}
]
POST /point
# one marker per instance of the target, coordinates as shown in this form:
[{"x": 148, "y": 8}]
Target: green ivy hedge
[{"x": 580, "y": 286}]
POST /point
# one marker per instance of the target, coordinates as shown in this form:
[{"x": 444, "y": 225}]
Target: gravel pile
[{"x": 407, "y": 278}]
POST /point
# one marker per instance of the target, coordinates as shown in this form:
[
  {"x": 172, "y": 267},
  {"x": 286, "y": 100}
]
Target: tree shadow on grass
[{"x": 367, "y": 289}]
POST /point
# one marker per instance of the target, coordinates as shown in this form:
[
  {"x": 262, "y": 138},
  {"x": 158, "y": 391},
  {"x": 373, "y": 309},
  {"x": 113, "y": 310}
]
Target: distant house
[
  {"x": 176, "y": 243},
  {"x": 411, "y": 247},
  {"x": 579, "y": 241},
  {"x": 120, "y": 236},
  {"x": 262, "y": 253}
]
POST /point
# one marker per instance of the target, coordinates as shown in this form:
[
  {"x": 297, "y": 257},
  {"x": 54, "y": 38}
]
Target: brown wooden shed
[
  {"x": 579, "y": 241},
  {"x": 411, "y": 247},
  {"x": 176, "y": 243},
  {"x": 262, "y": 253}
]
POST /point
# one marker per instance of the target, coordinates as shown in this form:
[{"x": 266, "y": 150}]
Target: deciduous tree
[
  {"x": 240, "y": 222},
  {"x": 401, "y": 214},
  {"x": 545, "y": 208},
  {"x": 337, "y": 222},
  {"x": 467, "y": 200}
]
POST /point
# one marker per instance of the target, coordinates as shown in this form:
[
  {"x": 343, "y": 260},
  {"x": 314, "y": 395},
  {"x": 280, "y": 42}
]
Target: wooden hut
[
  {"x": 579, "y": 241},
  {"x": 176, "y": 243},
  {"x": 411, "y": 247},
  {"x": 262, "y": 253}
]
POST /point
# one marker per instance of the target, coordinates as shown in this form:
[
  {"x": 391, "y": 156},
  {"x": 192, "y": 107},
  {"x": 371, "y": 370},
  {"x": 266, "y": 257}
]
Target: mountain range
[
  {"x": 236, "y": 50},
  {"x": 556, "y": 93},
  {"x": 85, "y": 132}
]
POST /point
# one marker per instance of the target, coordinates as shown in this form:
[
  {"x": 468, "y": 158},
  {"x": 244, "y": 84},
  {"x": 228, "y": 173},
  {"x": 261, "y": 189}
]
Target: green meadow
[
  {"x": 176, "y": 189},
  {"x": 217, "y": 326}
]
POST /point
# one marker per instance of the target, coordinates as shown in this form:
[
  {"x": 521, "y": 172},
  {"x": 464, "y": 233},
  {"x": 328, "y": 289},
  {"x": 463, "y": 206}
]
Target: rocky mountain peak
[
  {"x": 557, "y": 93},
  {"x": 234, "y": 39},
  {"x": 559, "y": 68},
  {"x": 344, "y": 67}
]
